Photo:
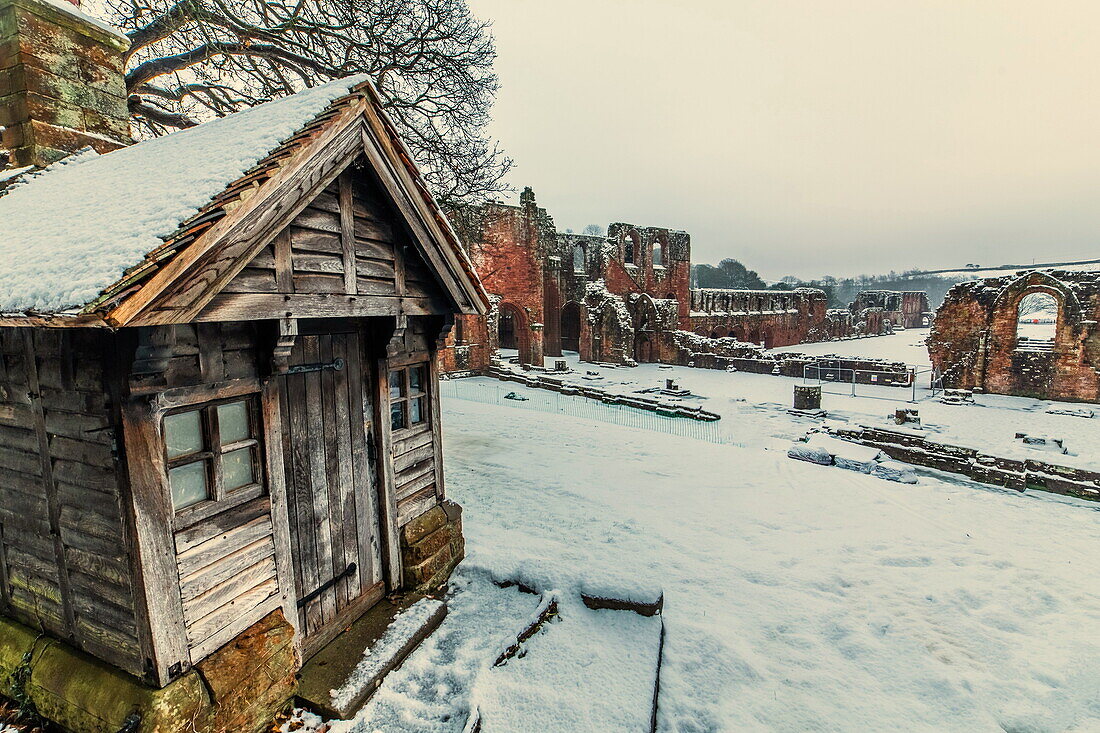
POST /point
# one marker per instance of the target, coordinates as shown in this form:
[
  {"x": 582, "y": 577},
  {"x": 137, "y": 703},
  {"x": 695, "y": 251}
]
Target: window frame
[
  {"x": 219, "y": 499},
  {"x": 407, "y": 395}
]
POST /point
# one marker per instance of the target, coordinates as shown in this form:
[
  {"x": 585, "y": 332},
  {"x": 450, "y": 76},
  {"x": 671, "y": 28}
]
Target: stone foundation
[
  {"x": 241, "y": 687},
  {"x": 997, "y": 470},
  {"x": 431, "y": 546}
]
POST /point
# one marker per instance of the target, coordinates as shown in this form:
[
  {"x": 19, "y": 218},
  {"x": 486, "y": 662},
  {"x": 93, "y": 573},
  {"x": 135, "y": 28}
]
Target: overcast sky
[{"x": 809, "y": 137}]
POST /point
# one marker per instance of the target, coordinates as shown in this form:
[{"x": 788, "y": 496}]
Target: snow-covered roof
[{"x": 75, "y": 228}]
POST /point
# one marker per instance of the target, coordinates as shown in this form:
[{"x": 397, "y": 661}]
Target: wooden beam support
[
  {"x": 387, "y": 489},
  {"x": 49, "y": 485},
  {"x": 271, "y": 306},
  {"x": 280, "y": 512},
  {"x": 284, "y": 345},
  {"x": 347, "y": 232},
  {"x": 152, "y": 516}
]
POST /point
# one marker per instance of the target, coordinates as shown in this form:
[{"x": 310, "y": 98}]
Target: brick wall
[{"x": 61, "y": 84}]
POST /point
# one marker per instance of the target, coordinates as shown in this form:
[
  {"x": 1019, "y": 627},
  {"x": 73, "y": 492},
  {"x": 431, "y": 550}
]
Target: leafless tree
[
  {"x": 431, "y": 61},
  {"x": 594, "y": 230}
]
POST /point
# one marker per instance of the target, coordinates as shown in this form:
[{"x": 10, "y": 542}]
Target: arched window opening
[
  {"x": 1036, "y": 322},
  {"x": 578, "y": 259},
  {"x": 659, "y": 253},
  {"x": 571, "y": 327},
  {"x": 506, "y": 329},
  {"x": 630, "y": 248}
]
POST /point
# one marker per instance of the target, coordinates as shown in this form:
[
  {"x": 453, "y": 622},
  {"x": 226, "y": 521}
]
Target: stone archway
[
  {"x": 571, "y": 326},
  {"x": 647, "y": 329},
  {"x": 513, "y": 330}
]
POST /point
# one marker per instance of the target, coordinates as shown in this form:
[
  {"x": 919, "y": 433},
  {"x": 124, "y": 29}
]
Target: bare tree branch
[{"x": 431, "y": 61}]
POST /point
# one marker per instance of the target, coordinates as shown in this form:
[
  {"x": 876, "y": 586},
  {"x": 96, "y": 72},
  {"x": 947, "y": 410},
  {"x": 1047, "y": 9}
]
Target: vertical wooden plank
[
  {"x": 53, "y": 503},
  {"x": 437, "y": 423},
  {"x": 277, "y": 488},
  {"x": 114, "y": 374},
  {"x": 284, "y": 271},
  {"x": 333, "y": 474},
  {"x": 316, "y": 438},
  {"x": 302, "y": 487},
  {"x": 388, "y": 503},
  {"x": 5, "y": 592},
  {"x": 347, "y": 232},
  {"x": 399, "y": 269},
  {"x": 286, "y": 469},
  {"x": 151, "y": 516},
  {"x": 366, "y": 481},
  {"x": 349, "y": 506},
  {"x": 211, "y": 364}
]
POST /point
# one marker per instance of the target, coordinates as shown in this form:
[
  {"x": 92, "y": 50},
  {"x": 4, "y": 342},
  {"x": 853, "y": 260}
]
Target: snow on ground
[
  {"x": 905, "y": 346},
  {"x": 1001, "y": 271},
  {"x": 754, "y": 406},
  {"x": 797, "y": 597}
]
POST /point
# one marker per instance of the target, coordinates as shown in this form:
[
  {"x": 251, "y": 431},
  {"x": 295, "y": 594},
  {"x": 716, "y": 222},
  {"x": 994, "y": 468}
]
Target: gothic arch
[
  {"x": 514, "y": 330},
  {"x": 1006, "y": 306},
  {"x": 571, "y": 316}
]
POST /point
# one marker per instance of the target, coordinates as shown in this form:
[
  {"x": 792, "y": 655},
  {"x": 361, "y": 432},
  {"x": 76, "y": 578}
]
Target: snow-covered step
[
  {"x": 573, "y": 669},
  {"x": 339, "y": 679}
]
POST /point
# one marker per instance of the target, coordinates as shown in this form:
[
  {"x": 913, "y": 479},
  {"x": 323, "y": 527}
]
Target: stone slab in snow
[
  {"x": 810, "y": 454},
  {"x": 895, "y": 471},
  {"x": 847, "y": 455},
  {"x": 607, "y": 659}
]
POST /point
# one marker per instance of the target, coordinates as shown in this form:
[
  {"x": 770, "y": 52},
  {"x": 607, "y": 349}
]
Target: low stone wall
[
  {"x": 431, "y": 546},
  {"x": 867, "y": 371},
  {"x": 668, "y": 409},
  {"x": 241, "y": 687},
  {"x": 989, "y": 469}
]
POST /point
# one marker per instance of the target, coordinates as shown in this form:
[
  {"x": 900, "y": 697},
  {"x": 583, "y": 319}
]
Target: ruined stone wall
[
  {"x": 61, "y": 84},
  {"x": 974, "y": 342},
  {"x": 509, "y": 247},
  {"x": 615, "y": 298},
  {"x": 767, "y": 317},
  {"x": 892, "y": 308}
]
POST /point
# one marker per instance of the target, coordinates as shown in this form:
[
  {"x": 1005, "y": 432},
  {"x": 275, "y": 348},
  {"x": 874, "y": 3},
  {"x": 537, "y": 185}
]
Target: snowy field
[
  {"x": 797, "y": 597},
  {"x": 754, "y": 406}
]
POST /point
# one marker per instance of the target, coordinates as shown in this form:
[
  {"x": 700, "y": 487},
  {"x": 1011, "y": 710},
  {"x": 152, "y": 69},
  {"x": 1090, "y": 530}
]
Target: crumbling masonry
[
  {"x": 618, "y": 298},
  {"x": 976, "y": 341}
]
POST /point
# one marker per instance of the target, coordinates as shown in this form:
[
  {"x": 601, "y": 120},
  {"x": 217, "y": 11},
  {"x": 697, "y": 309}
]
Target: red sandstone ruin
[{"x": 979, "y": 340}]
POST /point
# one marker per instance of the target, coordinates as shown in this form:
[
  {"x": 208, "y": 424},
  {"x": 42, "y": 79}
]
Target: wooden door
[{"x": 331, "y": 484}]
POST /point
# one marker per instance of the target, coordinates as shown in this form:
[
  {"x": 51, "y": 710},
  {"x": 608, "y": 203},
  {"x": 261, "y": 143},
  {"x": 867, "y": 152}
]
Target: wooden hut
[{"x": 233, "y": 416}]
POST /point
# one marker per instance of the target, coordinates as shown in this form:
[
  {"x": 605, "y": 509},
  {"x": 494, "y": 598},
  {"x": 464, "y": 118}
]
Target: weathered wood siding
[
  {"x": 227, "y": 572},
  {"x": 65, "y": 566},
  {"x": 330, "y": 475},
  {"x": 310, "y": 255},
  {"x": 226, "y": 562},
  {"x": 416, "y": 451}
]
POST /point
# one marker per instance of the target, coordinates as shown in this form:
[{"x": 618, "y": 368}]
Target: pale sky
[{"x": 810, "y": 137}]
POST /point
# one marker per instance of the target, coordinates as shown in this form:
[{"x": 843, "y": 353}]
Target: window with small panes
[
  {"x": 213, "y": 453},
  {"x": 408, "y": 396}
]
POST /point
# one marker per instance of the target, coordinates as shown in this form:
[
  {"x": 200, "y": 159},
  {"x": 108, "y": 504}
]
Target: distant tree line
[{"x": 730, "y": 273}]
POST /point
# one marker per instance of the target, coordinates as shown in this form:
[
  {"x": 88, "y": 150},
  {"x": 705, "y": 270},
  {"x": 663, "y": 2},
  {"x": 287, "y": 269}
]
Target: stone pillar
[
  {"x": 62, "y": 86},
  {"x": 807, "y": 397},
  {"x": 431, "y": 546}
]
